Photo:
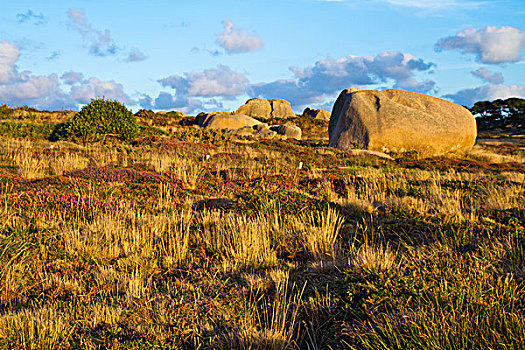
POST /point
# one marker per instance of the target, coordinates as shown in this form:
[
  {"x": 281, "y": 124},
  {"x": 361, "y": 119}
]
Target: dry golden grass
[
  {"x": 152, "y": 269},
  {"x": 275, "y": 326},
  {"x": 319, "y": 233},
  {"x": 239, "y": 240},
  {"x": 479, "y": 152},
  {"x": 45, "y": 328},
  {"x": 370, "y": 259}
]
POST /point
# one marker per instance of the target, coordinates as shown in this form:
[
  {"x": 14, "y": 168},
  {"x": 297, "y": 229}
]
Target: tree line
[{"x": 506, "y": 114}]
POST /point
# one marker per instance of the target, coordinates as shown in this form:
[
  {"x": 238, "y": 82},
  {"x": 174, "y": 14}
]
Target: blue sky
[{"x": 205, "y": 55}]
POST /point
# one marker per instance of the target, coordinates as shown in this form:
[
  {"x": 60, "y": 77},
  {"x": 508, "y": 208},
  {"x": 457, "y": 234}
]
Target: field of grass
[{"x": 187, "y": 239}]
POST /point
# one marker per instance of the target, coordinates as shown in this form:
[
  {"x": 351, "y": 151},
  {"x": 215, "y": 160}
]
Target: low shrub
[{"x": 102, "y": 118}]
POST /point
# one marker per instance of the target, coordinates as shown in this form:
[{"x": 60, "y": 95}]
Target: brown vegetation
[{"x": 207, "y": 243}]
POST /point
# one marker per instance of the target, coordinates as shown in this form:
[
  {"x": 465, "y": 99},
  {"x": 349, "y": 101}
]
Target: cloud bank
[
  {"x": 46, "y": 92},
  {"x": 489, "y": 92},
  {"x": 198, "y": 90},
  {"x": 326, "y": 78},
  {"x": 308, "y": 86},
  {"x": 220, "y": 81},
  {"x": 235, "y": 40},
  {"x": 491, "y": 45}
]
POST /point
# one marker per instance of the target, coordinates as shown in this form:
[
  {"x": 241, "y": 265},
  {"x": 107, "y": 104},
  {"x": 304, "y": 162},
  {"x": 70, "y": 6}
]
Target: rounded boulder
[
  {"x": 288, "y": 131},
  {"x": 267, "y": 109},
  {"x": 225, "y": 120},
  {"x": 319, "y": 114},
  {"x": 256, "y": 108},
  {"x": 399, "y": 121}
]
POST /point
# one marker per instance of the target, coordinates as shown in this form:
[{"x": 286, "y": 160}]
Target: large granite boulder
[
  {"x": 224, "y": 120},
  {"x": 266, "y": 109},
  {"x": 319, "y": 114},
  {"x": 257, "y": 108},
  {"x": 399, "y": 121},
  {"x": 281, "y": 108}
]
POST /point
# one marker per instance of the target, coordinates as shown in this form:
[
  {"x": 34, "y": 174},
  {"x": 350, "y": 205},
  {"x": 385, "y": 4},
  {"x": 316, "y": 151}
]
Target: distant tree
[{"x": 503, "y": 114}]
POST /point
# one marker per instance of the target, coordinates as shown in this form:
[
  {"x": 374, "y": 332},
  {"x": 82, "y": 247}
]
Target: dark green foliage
[
  {"x": 503, "y": 114},
  {"x": 151, "y": 130},
  {"x": 59, "y": 132},
  {"x": 102, "y": 118},
  {"x": 145, "y": 113},
  {"x": 20, "y": 129},
  {"x": 5, "y": 111}
]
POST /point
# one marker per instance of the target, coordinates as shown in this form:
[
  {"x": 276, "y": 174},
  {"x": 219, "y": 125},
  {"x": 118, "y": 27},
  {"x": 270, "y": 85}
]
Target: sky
[{"x": 208, "y": 55}]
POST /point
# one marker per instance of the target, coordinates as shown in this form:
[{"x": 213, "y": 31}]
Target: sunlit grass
[{"x": 205, "y": 244}]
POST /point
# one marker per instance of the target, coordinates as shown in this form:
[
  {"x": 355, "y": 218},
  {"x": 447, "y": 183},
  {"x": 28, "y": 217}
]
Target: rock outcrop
[
  {"x": 256, "y": 108},
  {"x": 242, "y": 125},
  {"x": 224, "y": 120},
  {"x": 399, "y": 121},
  {"x": 319, "y": 114},
  {"x": 266, "y": 109}
]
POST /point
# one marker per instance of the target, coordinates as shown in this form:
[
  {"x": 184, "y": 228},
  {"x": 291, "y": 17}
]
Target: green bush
[
  {"x": 26, "y": 130},
  {"x": 102, "y": 118},
  {"x": 5, "y": 111}
]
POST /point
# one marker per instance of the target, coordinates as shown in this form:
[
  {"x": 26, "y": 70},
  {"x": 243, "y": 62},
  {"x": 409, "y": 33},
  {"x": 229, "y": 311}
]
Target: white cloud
[
  {"x": 100, "y": 42},
  {"x": 41, "y": 91},
  {"x": 425, "y": 7},
  {"x": 487, "y": 92},
  {"x": 197, "y": 91},
  {"x": 326, "y": 78},
  {"x": 488, "y": 76},
  {"x": 217, "y": 82},
  {"x": 31, "y": 16},
  {"x": 53, "y": 56},
  {"x": 45, "y": 92},
  {"x": 135, "y": 55},
  {"x": 295, "y": 91},
  {"x": 72, "y": 77},
  {"x": 184, "y": 104},
  {"x": 490, "y": 44},
  {"x": 235, "y": 40},
  {"x": 95, "y": 88},
  {"x": 437, "y": 4},
  {"x": 167, "y": 101},
  {"x": 9, "y": 54}
]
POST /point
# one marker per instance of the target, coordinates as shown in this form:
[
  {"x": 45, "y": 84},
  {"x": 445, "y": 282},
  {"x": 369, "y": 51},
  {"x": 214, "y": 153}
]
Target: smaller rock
[
  {"x": 224, "y": 120},
  {"x": 260, "y": 131},
  {"x": 288, "y": 131},
  {"x": 365, "y": 152},
  {"x": 319, "y": 114},
  {"x": 244, "y": 131},
  {"x": 266, "y": 134}
]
